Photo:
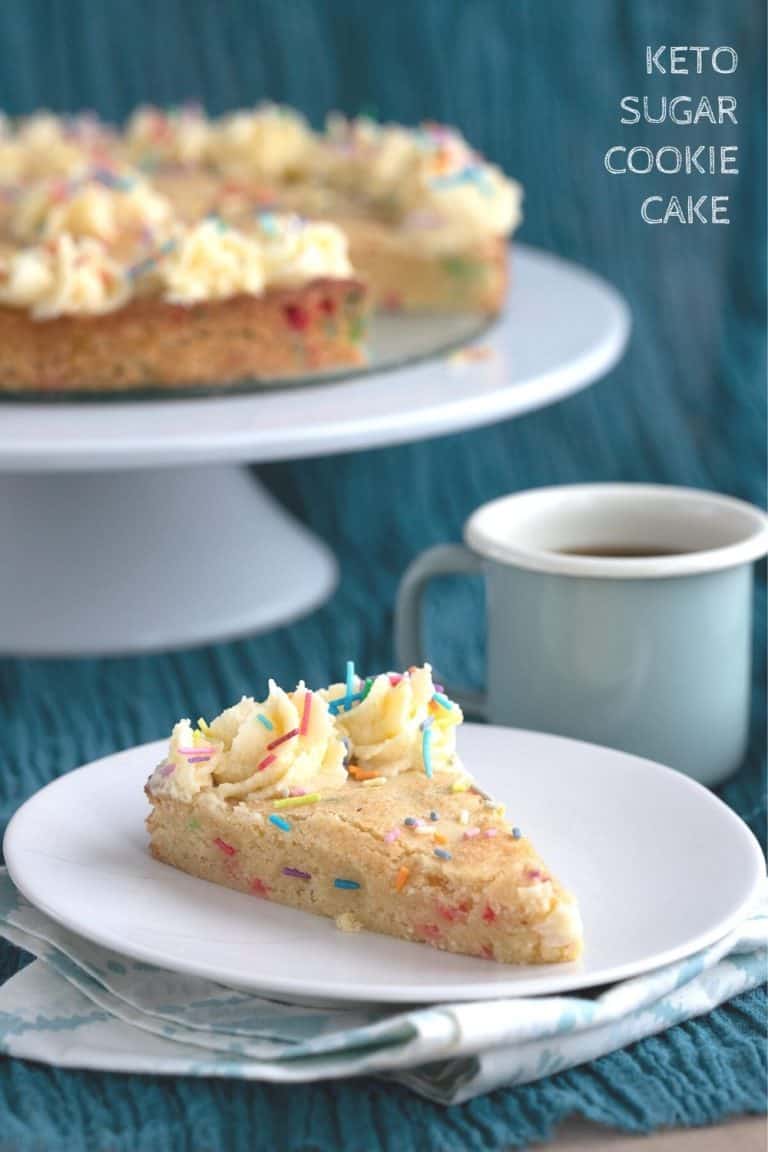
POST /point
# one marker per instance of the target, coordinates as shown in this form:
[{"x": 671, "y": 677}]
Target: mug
[{"x": 619, "y": 614}]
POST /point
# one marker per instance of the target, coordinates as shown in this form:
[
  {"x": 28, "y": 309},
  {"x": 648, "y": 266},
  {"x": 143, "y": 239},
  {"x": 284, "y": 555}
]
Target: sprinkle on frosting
[
  {"x": 426, "y": 750},
  {"x": 340, "y": 882}
]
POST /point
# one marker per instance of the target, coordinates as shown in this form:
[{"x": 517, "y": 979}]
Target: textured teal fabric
[{"x": 536, "y": 85}]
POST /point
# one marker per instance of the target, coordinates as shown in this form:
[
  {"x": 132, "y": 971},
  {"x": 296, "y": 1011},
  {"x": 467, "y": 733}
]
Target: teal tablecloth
[{"x": 536, "y": 85}]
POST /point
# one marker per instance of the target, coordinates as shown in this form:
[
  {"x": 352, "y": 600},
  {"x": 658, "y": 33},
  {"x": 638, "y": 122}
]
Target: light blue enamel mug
[{"x": 620, "y": 614}]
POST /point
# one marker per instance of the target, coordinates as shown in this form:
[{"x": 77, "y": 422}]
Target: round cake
[{"x": 183, "y": 250}]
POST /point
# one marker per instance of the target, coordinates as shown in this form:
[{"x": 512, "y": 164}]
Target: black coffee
[{"x": 621, "y": 551}]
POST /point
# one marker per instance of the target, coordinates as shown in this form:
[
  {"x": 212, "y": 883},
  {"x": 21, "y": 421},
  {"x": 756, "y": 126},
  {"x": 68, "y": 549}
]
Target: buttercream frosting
[
  {"x": 211, "y": 262},
  {"x": 263, "y": 749},
  {"x": 179, "y": 136},
  {"x": 268, "y": 142},
  {"x": 297, "y": 250},
  {"x": 305, "y": 740},
  {"x": 428, "y": 179},
  {"x": 103, "y": 205},
  {"x": 386, "y": 729},
  {"x": 64, "y": 277}
]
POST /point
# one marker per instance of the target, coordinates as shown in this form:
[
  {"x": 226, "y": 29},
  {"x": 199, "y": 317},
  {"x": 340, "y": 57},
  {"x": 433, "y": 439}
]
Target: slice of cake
[{"x": 351, "y": 803}]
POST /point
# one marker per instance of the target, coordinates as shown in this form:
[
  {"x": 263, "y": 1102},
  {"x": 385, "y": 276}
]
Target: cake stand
[{"x": 131, "y": 525}]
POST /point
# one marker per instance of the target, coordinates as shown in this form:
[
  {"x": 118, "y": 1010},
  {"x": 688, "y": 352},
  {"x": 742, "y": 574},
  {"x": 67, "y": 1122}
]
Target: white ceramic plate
[{"x": 661, "y": 868}]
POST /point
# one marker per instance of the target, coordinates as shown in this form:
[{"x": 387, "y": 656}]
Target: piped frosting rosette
[
  {"x": 64, "y": 277},
  {"x": 282, "y": 746},
  {"x": 303, "y": 742},
  {"x": 106, "y": 204},
  {"x": 397, "y": 723}
]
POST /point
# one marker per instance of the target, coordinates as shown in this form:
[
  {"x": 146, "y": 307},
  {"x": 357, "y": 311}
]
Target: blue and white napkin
[{"x": 81, "y": 1006}]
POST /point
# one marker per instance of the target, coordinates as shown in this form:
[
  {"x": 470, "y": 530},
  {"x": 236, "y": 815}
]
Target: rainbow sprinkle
[
  {"x": 268, "y": 223},
  {"x": 306, "y": 713},
  {"x": 471, "y": 833},
  {"x": 516, "y": 833},
  {"x": 265, "y": 763},
  {"x": 392, "y": 835},
  {"x": 461, "y": 785},
  {"x": 297, "y": 872},
  {"x": 426, "y": 752},
  {"x": 442, "y": 853},
  {"x": 297, "y": 801},
  {"x": 434, "y": 815},
  {"x": 490, "y": 832},
  {"x": 411, "y": 822},
  {"x": 143, "y": 266},
  {"x": 279, "y": 822},
  {"x": 374, "y": 782},
  {"x": 282, "y": 739},
  {"x": 262, "y": 719},
  {"x": 442, "y": 700},
  {"x": 227, "y": 849},
  {"x": 339, "y": 882},
  {"x": 402, "y": 878},
  {"x": 350, "y": 697},
  {"x": 167, "y": 769}
]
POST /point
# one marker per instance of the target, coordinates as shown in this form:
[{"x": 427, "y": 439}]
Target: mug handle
[{"x": 443, "y": 560}]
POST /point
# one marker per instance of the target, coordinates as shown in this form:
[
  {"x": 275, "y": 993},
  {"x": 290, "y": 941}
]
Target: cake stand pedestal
[{"x": 131, "y": 526}]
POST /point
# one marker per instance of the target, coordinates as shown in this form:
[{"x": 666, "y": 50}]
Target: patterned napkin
[{"x": 82, "y": 1006}]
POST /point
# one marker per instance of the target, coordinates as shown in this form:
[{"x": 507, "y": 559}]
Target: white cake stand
[{"x": 131, "y": 526}]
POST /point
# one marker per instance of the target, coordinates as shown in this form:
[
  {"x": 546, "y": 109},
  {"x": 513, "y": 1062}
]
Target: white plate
[{"x": 660, "y": 865}]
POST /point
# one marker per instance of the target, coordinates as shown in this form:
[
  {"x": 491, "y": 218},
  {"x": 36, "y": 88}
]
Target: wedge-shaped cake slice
[{"x": 351, "y": 803}]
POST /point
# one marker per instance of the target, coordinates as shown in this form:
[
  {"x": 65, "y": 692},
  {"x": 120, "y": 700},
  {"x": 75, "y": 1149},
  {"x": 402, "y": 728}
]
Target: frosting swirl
[
  {"x": 428, "y": 179},
  {"x": 386, "y": 728},
  {"x": 103, "y": 205},
  {"x": 179, "y": 136},
  {"x": 267, "y": 749},
  {"x": 211, "y": 262},
  {"x": 297, "y": 250},
  {"x": 270, "y": 142},
  {"x": 47, "y": 148},
  {"x": 64, "y": 277}
]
